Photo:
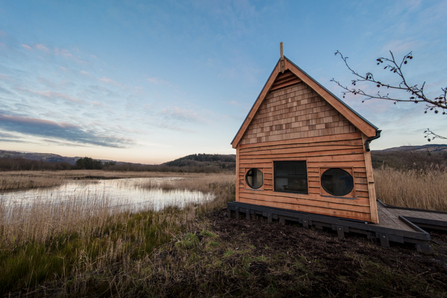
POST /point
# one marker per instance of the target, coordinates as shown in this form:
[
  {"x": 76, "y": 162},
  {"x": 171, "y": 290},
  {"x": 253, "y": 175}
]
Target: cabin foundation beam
[
  {"x": 384, "y": 240},
  {"x": 424, "y": 248},
  {"x": 416, "y": 236}
]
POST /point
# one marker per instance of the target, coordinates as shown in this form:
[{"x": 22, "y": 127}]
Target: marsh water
[{"x": 119, "y": 193}]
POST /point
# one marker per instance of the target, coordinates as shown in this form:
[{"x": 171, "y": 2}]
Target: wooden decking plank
[
  {"x": 389, "y": 219},
  {"x": 422, "y": 214}
]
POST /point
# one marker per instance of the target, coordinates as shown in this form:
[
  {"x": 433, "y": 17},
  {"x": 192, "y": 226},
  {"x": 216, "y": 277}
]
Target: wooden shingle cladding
[{"x": 296, "y": 119}]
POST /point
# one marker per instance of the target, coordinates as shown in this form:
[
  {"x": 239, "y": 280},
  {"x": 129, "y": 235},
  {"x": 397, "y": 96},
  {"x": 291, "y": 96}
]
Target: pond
[{"x": 127, "y": 194}]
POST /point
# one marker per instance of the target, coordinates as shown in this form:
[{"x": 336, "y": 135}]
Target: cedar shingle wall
[{"x": 295, "y": 112}]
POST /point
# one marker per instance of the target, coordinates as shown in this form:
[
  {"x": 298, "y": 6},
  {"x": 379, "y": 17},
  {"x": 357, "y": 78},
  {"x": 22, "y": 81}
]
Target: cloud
[
  {"x": 401, "y": 46},
  {"x": 109, "y": 81},
  {"x": 41, "y": 47},
  {"x": 63, "y": 52},
  {"x": 233, "y": 103},
  {"x": 178, "y": 114},
  {"x": 68, "y": 144},
  {"x": 61, "y": 131},
  {"x": 51, "y": 95},
  {"x": 27, "y": 47},
  {"x": 13, "y": 140},
  {"x": 7, "y": 135},
  {"x": 157, "y": 81},
  {"x": 172, "y": 127},
  {"x": 6, "y": 91}
]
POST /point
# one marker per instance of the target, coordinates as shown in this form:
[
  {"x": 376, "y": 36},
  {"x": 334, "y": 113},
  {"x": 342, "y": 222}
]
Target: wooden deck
[
  {"x": 396, "y": 224},
  {"x": 429, "y": 219}
]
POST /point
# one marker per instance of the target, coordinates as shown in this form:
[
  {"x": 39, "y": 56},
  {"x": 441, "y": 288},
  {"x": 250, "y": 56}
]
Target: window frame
[
  {"x": 275, "y": 162},
  {"x": 247, "y": 186},
  {"x": 351, "y": 195}
]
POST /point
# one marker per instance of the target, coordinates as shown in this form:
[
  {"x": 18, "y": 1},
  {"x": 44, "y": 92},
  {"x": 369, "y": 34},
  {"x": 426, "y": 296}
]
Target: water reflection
[{"x": 119, "y": 193}]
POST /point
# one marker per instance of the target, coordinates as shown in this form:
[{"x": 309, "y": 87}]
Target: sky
[{"x": 152, "y": 81}]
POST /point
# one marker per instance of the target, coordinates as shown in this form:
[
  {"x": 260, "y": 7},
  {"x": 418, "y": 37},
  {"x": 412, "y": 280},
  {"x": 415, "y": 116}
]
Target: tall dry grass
[
  {"x": 64, "y": 237},
  {"x": 29, "y": 179},
  {"x": 412, "y": 188}
]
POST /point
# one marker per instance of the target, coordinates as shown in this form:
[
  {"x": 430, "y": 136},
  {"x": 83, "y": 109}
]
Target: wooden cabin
[{"x": 302, "y": 148}]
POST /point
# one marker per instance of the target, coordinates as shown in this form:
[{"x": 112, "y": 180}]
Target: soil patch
[{"x": 353, "y": 266}]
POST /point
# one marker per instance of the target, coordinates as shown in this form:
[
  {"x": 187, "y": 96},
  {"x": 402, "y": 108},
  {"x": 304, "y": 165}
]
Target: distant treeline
[
  {"x": 23, "y": 164},
  {"x": 205, "y": 160},
  {"x": 196, "y": 163}
]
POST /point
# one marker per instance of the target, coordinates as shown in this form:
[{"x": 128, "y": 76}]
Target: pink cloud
[
  {"x": 52, "y": 94},
  {"x": 41, "y": 47},
  {"x": 157, "y": 81},
  {"x": 109, "y": 81},
  {"x": 176, "y": 113},
  {"x": 27, "y": 47},
  {"x": 63, "y": 52}
]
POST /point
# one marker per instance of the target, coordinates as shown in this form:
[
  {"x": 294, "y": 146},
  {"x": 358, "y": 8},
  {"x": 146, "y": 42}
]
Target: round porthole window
[
  {"x": 254, "y": 178},
  {"x": 337, "y": 182}
]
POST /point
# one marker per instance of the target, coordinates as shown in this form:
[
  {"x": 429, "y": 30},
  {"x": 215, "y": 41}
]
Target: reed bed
[
  {"x": 21, "y": 180},
  {"x": 412, "y": 188},
  {"x": 61, "y": 238},
  {"x": 29, "y": 179}
]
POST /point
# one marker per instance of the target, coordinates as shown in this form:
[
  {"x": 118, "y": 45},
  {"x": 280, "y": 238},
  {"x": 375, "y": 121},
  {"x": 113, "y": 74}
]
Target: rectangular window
[{"x": 291, "y": 176}]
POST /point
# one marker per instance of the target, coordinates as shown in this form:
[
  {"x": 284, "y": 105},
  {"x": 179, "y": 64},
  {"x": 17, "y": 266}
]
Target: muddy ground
[{"x": 324, "y": 265}]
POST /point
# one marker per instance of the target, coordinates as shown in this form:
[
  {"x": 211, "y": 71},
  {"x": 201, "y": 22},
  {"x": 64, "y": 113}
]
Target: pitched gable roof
[{"x": 276, "y": 81}]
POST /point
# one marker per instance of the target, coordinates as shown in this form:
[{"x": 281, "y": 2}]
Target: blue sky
[{"x": 151, "y": 81}]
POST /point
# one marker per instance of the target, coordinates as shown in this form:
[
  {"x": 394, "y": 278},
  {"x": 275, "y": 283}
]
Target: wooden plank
[
  {"x": 309, "y": 140},
  {"x": 307, "y": 154},
  {"x": 345, "y": 214},
  {"x": 300, "y": 149},
  {"x": 371, "y": 187},
  {"x": 285, "y": 81},
  {"x": 310, "y": 196},
  {"x": 421, "y": 214},
  {"x": 258, "y": 163},
  {"x": 238, "y": 176},
  {"x": 390, "y": 220},
  {"x": 338, "y": 164},
  {"x": 308, "y": 203}
]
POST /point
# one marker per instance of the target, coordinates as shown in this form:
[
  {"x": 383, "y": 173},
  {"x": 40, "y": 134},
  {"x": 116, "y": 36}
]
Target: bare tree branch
[
  {"x": 416, "y": 94},
  {"x": 430, "y": 135}
]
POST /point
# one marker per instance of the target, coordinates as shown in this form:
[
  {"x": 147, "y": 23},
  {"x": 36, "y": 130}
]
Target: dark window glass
[
  {"x": 337, "y": 182},
  {"x": 254, "y": 178},
  {"x": 291, "y": 176}
]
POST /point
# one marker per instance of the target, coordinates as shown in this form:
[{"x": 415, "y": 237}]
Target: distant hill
[
  {"x": 421, "y": 157},
  {"x": 47, "y": 157},
  {"x": 17, "y": 160},
  {"x": 424, "y": 148},
  {"x": 221, "y": 161}
]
